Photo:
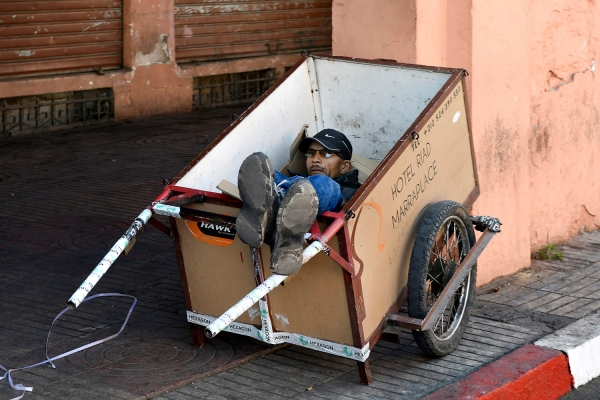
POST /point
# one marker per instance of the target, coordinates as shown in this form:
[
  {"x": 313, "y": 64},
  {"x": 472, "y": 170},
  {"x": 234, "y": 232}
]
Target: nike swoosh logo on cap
[{"x": 327, "y": 135}]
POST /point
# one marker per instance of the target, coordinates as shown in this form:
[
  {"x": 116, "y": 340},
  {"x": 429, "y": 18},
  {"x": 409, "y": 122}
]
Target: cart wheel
[{"x": 444, "y": 238}]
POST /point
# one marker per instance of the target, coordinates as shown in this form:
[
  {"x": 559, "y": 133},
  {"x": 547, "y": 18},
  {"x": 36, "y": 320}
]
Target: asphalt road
[{"x": 589, "y": 391}]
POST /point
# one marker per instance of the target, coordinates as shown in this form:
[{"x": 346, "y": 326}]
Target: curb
[
  {"x": 580, "y": 341},
  {"x": 547, "y": 369},
  {"x": 530, "y": 372}
]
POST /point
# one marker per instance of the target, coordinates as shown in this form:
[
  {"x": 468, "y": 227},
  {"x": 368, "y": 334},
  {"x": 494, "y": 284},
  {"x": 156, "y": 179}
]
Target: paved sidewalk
[
  {"x": 507, "y": 315},
  {"x": 66, "y": 197}
]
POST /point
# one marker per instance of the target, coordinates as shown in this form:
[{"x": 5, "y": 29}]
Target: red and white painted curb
[
  {"x": 547, "y": 369},
  {"x": 580, "y": 341}
]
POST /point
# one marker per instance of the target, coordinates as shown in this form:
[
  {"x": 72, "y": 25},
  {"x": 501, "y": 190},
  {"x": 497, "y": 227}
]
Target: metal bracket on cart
[
  {"x": 483, "y": 222},
  {"x": 490, "y": 226}
]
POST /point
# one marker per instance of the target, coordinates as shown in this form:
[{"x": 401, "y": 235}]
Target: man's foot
[
  {"x": 296, "y": 214},
  {"x": 257, "y": 190}
]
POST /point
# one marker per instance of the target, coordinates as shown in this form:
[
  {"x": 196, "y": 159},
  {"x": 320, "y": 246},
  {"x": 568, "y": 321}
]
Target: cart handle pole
[
  {"x": 256, "y": 294},
  {"x": 456, "y": 280},
  {"x": 108, "y": 260}
]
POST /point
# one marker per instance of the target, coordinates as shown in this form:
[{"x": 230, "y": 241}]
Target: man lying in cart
[{"x": 278, "y": 210}]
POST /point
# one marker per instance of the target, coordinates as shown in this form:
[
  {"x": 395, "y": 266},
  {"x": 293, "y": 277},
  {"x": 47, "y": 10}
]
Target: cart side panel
[
  {"x": 313, "y": 302},
  {"x": 438, "y": 166},
  {"x": 218, "y": 274},
  {"x": 374, "y": 104},
  {"x": 270, "y": 128}
]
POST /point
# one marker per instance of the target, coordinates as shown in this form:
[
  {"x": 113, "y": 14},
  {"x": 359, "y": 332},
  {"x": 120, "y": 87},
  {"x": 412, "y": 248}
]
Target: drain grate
[
  {"x": 39, "y": 113},
  {"x": 231, "y": 89}
]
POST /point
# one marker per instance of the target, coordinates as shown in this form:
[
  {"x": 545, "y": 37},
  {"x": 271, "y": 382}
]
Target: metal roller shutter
[
  {"x": 207, "y": 30},
  {"x": 48, "y": 37}
]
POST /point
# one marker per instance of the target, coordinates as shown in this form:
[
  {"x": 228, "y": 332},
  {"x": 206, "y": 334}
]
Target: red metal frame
[{"x": 339, "y": 221}]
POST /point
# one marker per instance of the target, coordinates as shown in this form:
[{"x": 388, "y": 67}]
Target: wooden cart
[{"x": 405, "y": 236}]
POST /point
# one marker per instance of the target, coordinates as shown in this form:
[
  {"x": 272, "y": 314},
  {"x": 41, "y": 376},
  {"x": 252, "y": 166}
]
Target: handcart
[{"x": 406, "y": 236}]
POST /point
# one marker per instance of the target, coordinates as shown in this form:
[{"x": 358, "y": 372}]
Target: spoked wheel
[{"x": 443, "y": 240}]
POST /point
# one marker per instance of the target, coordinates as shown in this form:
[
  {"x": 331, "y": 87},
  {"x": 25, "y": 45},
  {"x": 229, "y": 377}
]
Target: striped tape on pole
[
  {"x": 258, "y": 293},
  {"x": 169, "y": 211},
  {"x": 108, "y": 260}
]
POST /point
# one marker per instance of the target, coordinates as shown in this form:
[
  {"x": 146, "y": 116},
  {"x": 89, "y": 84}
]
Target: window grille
[
  {"x": 231, "y": 89},
  {"x": 44, "y": 112}
]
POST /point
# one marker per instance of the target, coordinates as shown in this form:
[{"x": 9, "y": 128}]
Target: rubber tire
[{"x": 433, "y": 220}]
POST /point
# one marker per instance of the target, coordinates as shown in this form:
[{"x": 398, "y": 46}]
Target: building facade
[
  {"x": 534, "y": 99},
  {"x": 68, "y": 61}
]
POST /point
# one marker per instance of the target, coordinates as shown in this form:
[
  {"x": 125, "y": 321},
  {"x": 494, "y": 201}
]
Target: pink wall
[
  {"x": 431, "y": 42},
  {"x": 533, "y": 100},
  {"x": 500, "y": 109},
  {"x": 564, "y": 138},
  {"x": 382, "y": 30}
]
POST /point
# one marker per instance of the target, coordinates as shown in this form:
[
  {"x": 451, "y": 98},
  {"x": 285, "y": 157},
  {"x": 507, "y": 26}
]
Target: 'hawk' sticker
[{"x": 216, "y": 231}]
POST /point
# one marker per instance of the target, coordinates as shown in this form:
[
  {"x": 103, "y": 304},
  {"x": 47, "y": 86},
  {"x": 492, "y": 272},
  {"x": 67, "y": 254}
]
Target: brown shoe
[
  {"x": 295, "y": 216},
  {"x": 257, "y": 190}
]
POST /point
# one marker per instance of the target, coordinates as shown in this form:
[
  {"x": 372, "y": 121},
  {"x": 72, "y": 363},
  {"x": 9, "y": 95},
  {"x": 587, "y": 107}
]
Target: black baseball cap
[{"x": 332, "y": 140}]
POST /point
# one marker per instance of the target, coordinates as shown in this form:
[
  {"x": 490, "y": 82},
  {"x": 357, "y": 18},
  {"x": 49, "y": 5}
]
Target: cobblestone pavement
[{"x": 66, "y": 197}]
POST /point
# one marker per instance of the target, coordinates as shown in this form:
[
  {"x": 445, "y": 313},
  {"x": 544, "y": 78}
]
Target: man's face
[{"x": 333, "y": 166}]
